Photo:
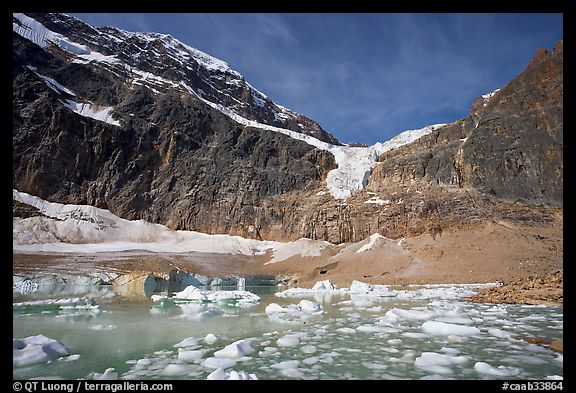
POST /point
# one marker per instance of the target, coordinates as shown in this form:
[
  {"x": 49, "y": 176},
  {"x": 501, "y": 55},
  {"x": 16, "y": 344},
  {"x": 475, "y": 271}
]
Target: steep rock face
[
  {"x": 137, "y": 123},
  {"x": 164, "y": 156},
  {"x": 159, "y": 61},
  {"x": 503, "y": 161}
]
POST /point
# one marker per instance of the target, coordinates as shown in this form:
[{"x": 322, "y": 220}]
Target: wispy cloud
[{"x": 364, "y": 77}]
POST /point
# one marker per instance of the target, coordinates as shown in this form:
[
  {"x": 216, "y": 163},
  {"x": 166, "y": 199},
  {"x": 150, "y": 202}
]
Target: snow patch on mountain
[
  {"x": 37, "y": 33},
  {"x": 52, "y": 84},
  {"x": 355, "y": 164},
  {"x": 486, "y": 97},
  {"x": 100, "y": 113}
]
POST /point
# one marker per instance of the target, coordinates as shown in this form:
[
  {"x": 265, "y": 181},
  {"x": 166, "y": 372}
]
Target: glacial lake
[{"x": 418, "y": 332}]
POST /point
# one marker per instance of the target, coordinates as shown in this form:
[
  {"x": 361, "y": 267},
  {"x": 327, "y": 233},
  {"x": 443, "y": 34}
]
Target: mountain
[{"x": 149, "y": 128}]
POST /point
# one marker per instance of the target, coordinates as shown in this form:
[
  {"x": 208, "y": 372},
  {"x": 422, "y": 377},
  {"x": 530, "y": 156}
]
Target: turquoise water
[{"x": 352, "y": 339}]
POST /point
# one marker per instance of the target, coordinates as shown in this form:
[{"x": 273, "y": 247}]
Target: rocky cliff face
[
  {"x": 503, "y": 161},
  {"x": 164, "y": 155},
  {"x": 142, "y": 125}
]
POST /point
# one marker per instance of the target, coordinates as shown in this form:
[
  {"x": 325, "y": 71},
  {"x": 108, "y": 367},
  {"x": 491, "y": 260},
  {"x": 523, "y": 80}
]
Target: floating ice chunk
[
  {"x": 187, "y": 342},
  {"x": 286, "y": 364},
  {"x": 375, "y": 329},
  {"x": 375, "y": 366},
  {"x": 501, "y": 371},
  {"x": 555, "y": 377},
  {"x": 37, "y": 349},
  {"x": 308, "y": 349},
  {"x": 394, "y": 341},
  {"x": 445, "y": 329},
  {"x": 410, "y": 314},
  {"x": 211, "y": 338},
  {"x": 500, "y": 333},
  {"x": 294, "y": 312},
  {"x": 311, "y": 360},
  {"x": 235, "y": 350},
  {"x": 360, "y": 287},
  {"x": 220, "y": 374},
  {"x": 174, "y": 370},
  {"x": 438, "y": 363},
  {"x": 433, "y": 358},
  {"x": 214, "y": 362},
  {"x": 292, "y": 373},
  {"x": 346, "y": 330},
  {"x": 190, "y": 293},
  {"x": 108, "y": 375},
  {"x": 414, "y": 335},
  {"x": 274, "y": 308},
  {"x": 103, "y": 327},
  {"x": 210, "y": 313},
  {"x": 456, "y": 339},
  {"x": 452, "y": 351},
  {"x": 143, "y": 363},
  {"x": 241, "y": 376},
  {"x": 324, "y": 285},
  {"x": 288, "y": 341},
  {"x": 70, "y": 358},
  {"x": 309, "y": 307},
  {"x": 237, "y": 296},
  {"x": 190, "y": 355}
]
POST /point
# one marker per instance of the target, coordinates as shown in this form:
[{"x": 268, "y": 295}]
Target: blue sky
[{"x": 363, "y": 77}]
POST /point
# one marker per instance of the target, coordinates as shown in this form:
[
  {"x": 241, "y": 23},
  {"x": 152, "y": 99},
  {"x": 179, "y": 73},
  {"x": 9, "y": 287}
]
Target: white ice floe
[
  {"x": 321, "y": 287},
  {"x": 87, "y": 304},
  {"x": 236, "y": 349},
  {"x": 190, "y": 355},
  {"x": 500, "y": 371},
  {"x": 103, "y": 327},
  {"x": 211, "y": 338},
  {"x": 294, "y": 312},
  {"x": 36, "y": 349},
  {"x": 187, "y": 342},
  {"x": 288, "y": 341},
  {"x": 501, "y": 333},
  {"x": 192, "y": 293},
  {"x": 109, "y": 374},
  {"x": 397, "y": 313},
  {"x": 439, "y": 363},
  {"x": 446, "y": 329},
  {"x": 215, "y": 362},
  {"x": 176, "y": 369},
  {"x": 220, "y": 374}
]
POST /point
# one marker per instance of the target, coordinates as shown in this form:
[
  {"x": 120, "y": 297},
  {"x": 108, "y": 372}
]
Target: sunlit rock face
[{"x": 149, "y": 128}]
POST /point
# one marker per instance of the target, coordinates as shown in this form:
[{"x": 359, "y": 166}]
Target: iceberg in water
[{"x": 37, "y": 349}]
